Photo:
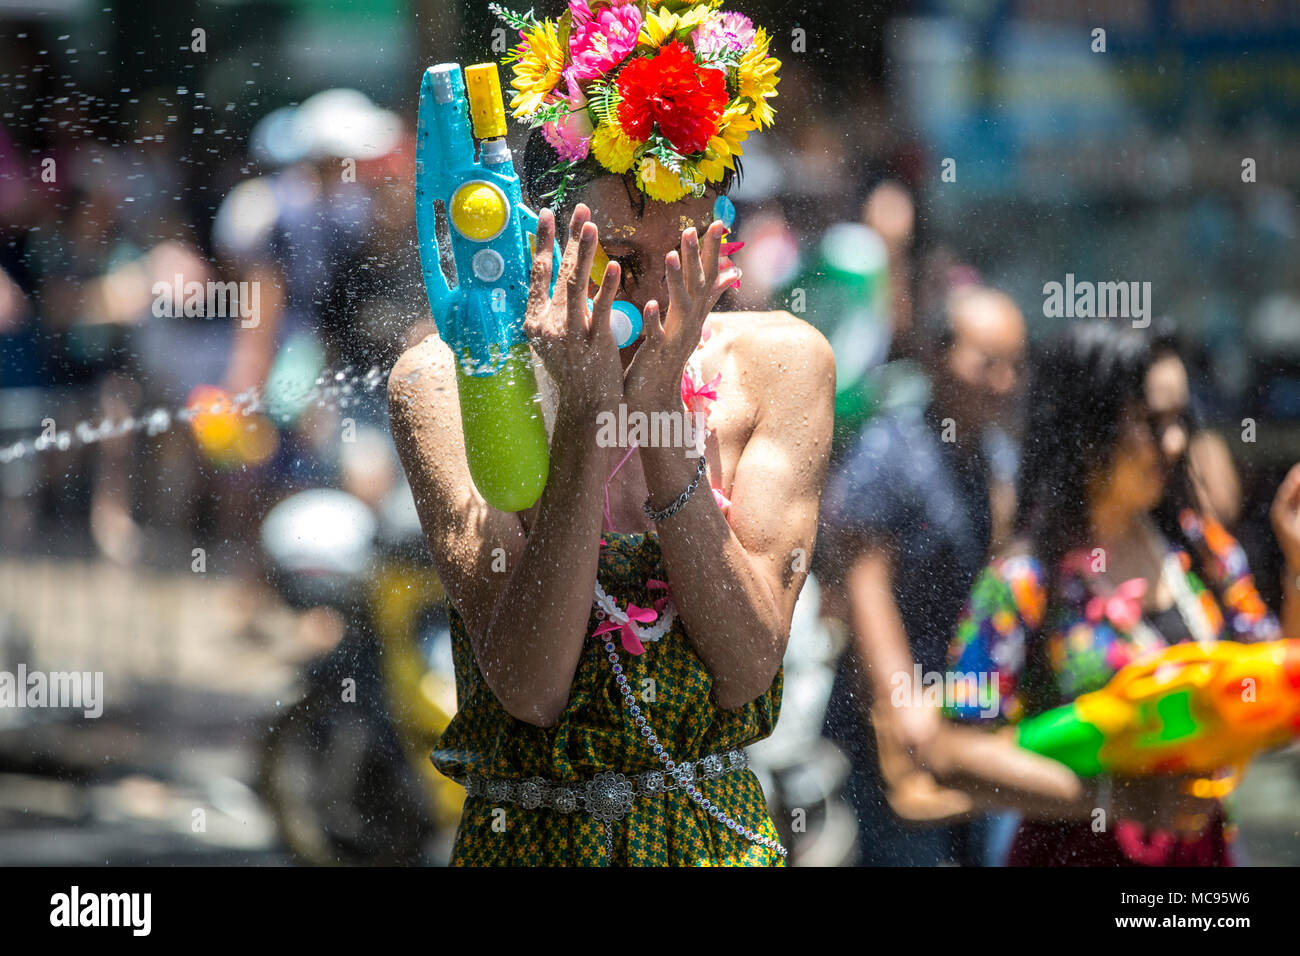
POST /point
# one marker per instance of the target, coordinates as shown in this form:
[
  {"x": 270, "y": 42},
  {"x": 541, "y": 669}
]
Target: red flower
[{"x": 671, "y": 90}]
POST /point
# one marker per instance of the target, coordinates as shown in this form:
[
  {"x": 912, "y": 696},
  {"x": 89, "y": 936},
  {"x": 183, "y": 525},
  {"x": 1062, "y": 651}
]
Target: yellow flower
[
  {"x": 756, "y": 76},
  {"x": 538, "y": 69},
  {"x": 612, "y": 147},
  {"x": 661, "y": 183},
  {"x": 676, "y": 6},
  {"x": 733, "y": 127},
  {"x": 663, "y": 26}
]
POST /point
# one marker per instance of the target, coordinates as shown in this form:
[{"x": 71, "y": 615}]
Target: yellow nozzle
[{"x": 483, "y": 87}]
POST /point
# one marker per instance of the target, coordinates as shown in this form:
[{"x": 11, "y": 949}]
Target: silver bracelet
[{"x": 673, "y": 508}]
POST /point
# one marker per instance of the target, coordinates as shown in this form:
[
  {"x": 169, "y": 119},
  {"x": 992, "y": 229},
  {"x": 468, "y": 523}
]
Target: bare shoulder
[
  {"x": 776, "y": 346},
  {"x": 422, "y": 375}
]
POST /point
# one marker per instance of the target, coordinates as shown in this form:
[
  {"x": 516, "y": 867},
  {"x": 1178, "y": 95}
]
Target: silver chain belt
[{"x": 607, "y": 796}]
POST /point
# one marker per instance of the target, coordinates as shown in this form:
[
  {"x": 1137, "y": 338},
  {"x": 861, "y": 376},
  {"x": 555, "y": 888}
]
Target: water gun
[
  {"x": 228, "y": 435},
  {"x": 489, "y": 236},
  {"x": 1186, "y": 710}
]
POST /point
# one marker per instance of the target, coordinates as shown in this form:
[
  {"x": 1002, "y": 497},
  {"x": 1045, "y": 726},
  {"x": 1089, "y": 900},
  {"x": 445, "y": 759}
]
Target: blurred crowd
[
  {"x": 112, "y": 216},
  {"x": 107, "y": 267},
  {"x": 310, "y": 219}
]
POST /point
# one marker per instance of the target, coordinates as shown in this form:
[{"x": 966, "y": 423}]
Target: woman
[
  {"x": 610, "y": 665},
  {"x": 1113, "y": 561}
]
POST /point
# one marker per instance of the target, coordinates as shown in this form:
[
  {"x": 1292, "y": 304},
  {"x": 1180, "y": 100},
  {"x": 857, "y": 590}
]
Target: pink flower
[
  {"x": 600, "y": 40},
  {"x": 1123, "y": 606},
  {"x": 726, "y": 31},
  {"x": 571, "y": 134},
  {"x": 697, "y": 398},
  {"x": 631, "y": 643}
]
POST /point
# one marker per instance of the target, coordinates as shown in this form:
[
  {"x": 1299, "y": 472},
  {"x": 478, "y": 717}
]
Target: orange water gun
[
  {"x": 229, "y": 435},
  {"x": 1190, "y": 709}
]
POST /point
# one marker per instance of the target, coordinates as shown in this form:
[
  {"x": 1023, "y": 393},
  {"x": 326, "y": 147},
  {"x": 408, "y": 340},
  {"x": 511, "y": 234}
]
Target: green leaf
[
  {"x": 550, "y": 113},
  {"x": 602, "y": 102},
  {"x": 519, "y": 21}
]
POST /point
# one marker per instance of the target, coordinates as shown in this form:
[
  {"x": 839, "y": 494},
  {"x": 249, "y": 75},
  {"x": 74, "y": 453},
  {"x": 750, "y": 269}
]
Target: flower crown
[{"x": 670, "y": 88}]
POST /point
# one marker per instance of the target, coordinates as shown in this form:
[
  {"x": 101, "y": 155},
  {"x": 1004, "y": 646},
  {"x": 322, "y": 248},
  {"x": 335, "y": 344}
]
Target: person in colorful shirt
[
  {"x": 908, "y": 524},
  {"x": 608, "y": 680},
  {"x": 1113, "y": 561}
]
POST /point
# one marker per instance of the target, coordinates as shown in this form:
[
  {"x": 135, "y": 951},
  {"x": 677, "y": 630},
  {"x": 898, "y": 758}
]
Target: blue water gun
[{"x": 491, "y": 234}]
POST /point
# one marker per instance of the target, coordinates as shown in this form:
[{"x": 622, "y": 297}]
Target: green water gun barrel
[
  {"x": 505, "y": 433},
  {"x": 1064, "y": 735}
]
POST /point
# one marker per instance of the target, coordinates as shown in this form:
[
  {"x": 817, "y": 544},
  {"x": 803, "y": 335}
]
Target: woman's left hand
[
  {"x": 697, "y": 276},
  {"x": 1285, "y": 514}
]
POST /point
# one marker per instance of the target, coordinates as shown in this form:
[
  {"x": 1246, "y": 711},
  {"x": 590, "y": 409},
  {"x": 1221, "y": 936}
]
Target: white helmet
[
  {"x": 333, "y": 124},
  {"x": 320, "y": 546}
]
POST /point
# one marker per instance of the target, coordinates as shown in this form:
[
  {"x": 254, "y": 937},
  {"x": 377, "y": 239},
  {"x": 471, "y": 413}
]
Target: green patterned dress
[{"x": 594, "y": 735}]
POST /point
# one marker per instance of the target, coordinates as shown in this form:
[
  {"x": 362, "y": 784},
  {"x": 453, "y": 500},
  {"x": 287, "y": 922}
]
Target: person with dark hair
[
  {"x": 1113, "y": 559},
  {"x": 620, "y": 642},
  {"x": 908, "y": 522}
]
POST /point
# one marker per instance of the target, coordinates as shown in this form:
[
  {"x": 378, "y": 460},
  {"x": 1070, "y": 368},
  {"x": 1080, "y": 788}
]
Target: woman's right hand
[{"x": 578, "y": 351}]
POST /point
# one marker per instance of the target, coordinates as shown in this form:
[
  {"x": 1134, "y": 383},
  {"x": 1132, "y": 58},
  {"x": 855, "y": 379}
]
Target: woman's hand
[
  {"x": 909, "y": 729},
  {"x": 1285, "y": 515},
  {"x": 577, "y": 350},
  {"x": 697, "y": 276}
]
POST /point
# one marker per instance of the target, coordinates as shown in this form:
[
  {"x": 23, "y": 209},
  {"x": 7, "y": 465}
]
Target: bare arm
[
  {"x": 879, "y": 638},
  {"x": 735, "y": 584},
  {"x": 252, "y": 354},
  {"x": 526, "y": 614},
  {"x": 998, "y": 774}
]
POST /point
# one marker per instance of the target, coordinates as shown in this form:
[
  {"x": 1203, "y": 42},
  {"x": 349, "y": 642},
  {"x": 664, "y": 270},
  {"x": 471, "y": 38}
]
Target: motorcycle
[{"x": 342, "y": 768}]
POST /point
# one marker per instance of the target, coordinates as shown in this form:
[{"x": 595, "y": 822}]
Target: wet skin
[{"x": 734, "y": 578}]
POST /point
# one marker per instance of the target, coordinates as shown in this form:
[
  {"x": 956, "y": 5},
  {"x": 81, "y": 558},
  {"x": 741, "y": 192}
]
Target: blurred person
[
  {"x": 909, "y": 523},
  {"x": 771, "y": 257},
  {"x": 291, "y": 231},
  {"x": 374, "y": 311},
  {"x": 890, "y": 211},
  {"x": 88, "y": 299},
  {"x": 1105, "y": 467},
  {"x": 704, "y": 579},
  {"x": 287, "y": 237}
]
